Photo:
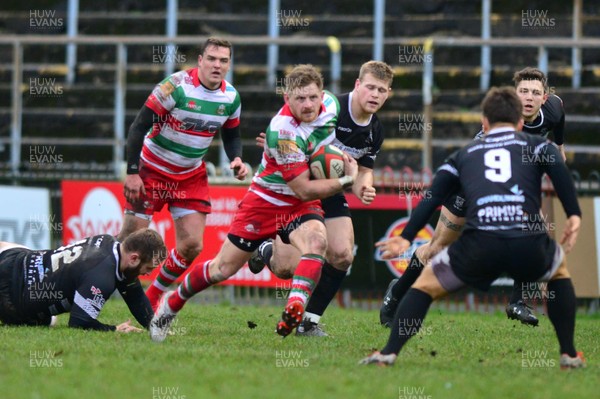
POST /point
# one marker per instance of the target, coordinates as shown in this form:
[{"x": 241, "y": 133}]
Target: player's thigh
[
  {"x": 228, "y": 261},
  {"x": 190, "y": 227},
  {"x": 132, "y": 223},
  {"x": 285, "y": 256},
  {"x": 340, "y": 241}
]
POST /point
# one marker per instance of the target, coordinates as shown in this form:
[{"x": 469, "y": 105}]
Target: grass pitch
[{"x": 215, "y": 354}]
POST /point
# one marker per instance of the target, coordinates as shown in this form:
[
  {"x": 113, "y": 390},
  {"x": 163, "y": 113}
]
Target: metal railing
[{"x": 121, "y": 43}]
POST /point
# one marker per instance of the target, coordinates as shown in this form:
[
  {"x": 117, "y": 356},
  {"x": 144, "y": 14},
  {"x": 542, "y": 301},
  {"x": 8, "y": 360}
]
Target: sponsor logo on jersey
[
  {"x": 192, "y": 105},
  {"x": 286, "y": 134},
  {"x": 398, "y": 265},
  {"x": 96, "y": 291}
]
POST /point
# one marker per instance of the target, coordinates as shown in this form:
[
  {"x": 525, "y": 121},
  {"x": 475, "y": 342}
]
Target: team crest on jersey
[
  {"x": 250, "y": 228},
  {"x": 285, "y": 147},
  {"x": 96, "y": 291},
  {"x": 398, "y": 265},
  {"x": 167, "y": 88},
  {"x": 221, "y": 110}
]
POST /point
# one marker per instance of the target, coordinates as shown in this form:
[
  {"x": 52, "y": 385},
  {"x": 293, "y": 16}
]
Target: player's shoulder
[
  {"x": 553, "y": 107},
  {"x": 229, "y": 88},
  {"x": 331, "y": 102}
]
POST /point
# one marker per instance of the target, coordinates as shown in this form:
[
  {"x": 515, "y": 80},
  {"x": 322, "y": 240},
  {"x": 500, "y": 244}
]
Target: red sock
[
  {"x": 305, "y": 278},
  {"x": 170, "y": 270},
  {"x": 198, "y": 279}
]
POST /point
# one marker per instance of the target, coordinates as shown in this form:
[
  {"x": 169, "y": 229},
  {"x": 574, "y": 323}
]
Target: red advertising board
[{"x": 93, "y": 207}]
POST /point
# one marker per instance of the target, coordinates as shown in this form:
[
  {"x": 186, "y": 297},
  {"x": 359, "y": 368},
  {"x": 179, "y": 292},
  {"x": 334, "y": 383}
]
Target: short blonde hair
[{"x": 379, "y": 70}]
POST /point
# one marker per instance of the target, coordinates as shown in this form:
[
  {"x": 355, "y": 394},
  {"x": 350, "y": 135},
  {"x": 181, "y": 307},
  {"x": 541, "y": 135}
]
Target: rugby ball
[{"x": 327, "y": 163}]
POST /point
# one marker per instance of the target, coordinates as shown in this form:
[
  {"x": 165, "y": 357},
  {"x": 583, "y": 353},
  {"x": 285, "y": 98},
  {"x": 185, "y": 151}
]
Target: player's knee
[
  {"x": 340, "y": 259},
  {"x": 428, "y": 283},
  {"x": 317, "y": 242},
  {"x": 189, "y": 249},
  {"x": 283, "y": 273}
]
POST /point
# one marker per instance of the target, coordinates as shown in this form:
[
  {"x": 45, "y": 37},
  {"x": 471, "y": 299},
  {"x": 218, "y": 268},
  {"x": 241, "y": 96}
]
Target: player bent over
[
  {"x": 543, "y": 113},
  {"x": 503, "y": 232},
  {"x": 36, "y": 285},
  {"x": 282, "y": 200},
  {"x": 360, "y": 134}
]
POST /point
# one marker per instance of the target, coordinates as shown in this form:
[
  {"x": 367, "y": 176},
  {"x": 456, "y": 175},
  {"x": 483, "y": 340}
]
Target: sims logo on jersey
[{"x": 399, "y": 264}]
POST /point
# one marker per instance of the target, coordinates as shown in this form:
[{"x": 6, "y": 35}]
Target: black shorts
[
  {"x": 335, "y": 206},
  {"x": 11, "y": 286},
  {"x": 478, "y": 258}
]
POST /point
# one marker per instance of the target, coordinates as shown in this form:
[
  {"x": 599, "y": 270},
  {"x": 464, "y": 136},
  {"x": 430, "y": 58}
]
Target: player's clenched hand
[
  {"x": 133, "y": 189},
  {"x": 240, "y": 170},
  {"x": 393, "y": 247},
  {"x": 260, "y": 139},
  {"x": 569, "y": 236},
  {"x": 127, "y": 327},
  {"x": 367, "y": 194}
]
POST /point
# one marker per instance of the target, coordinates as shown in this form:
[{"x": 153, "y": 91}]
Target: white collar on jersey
[
  {"x": 350, "y": 112},
  {"x": 501, "y": 130},
  {"x": 541, "y": 114},
  {"x": 117, "y": 254}
]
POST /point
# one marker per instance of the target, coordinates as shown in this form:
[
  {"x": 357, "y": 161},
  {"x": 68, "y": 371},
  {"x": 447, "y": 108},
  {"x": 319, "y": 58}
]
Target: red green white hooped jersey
[
  {"x": 190, "y": 116},
  {"x": 288, "y": 146}
]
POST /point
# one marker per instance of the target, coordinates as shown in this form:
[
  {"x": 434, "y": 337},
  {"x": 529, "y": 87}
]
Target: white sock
[{"x": 312, "y": 317}]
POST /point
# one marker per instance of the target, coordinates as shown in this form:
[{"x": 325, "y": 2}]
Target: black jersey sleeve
[
  {"x": 232, "y": 143},
  {"x": 456, "y": 204},
  {"x": 137, "y": 301},
  {"x": 559, "y": 129},
  {"x": 135, "y": 138},
  {"x": 561, "y": 180},
  {"x": 446, "y": 183},
  {"x": 91, "y": 294}
]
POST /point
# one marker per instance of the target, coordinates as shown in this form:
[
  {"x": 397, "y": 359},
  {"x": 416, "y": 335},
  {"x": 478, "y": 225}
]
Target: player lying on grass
[
  {"x": 36, "y": 285},
  {"x": 503, "y": 233},
  {"x": 282, "y": 200},
  {"x": 360, "y": 134},
  {"x": 543, "y": 114}
]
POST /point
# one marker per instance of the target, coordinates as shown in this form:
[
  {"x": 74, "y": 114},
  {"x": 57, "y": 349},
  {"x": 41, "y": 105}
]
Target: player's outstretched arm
[
  {"x": 569, "y": 236},
  {"x": 137, "y": 301},
  {"x": 127, "y": 328}
]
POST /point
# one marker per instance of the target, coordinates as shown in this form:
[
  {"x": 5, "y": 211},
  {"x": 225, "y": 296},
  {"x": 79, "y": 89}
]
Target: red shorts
[
  {"x": 257, "y": 220},
  {"x": 189, "y": 193}
]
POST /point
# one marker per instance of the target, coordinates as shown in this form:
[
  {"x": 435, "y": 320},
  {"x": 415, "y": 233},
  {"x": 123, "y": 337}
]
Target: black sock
[
  {"x": 517, "y": 292},
  {"x": 561, "y": 311},
  {"x": 266, "y": 252},
  {"x": 407, "y": 320},
  {"x": 328, "y": 285},
  {"x": 412, "y": 272}
]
